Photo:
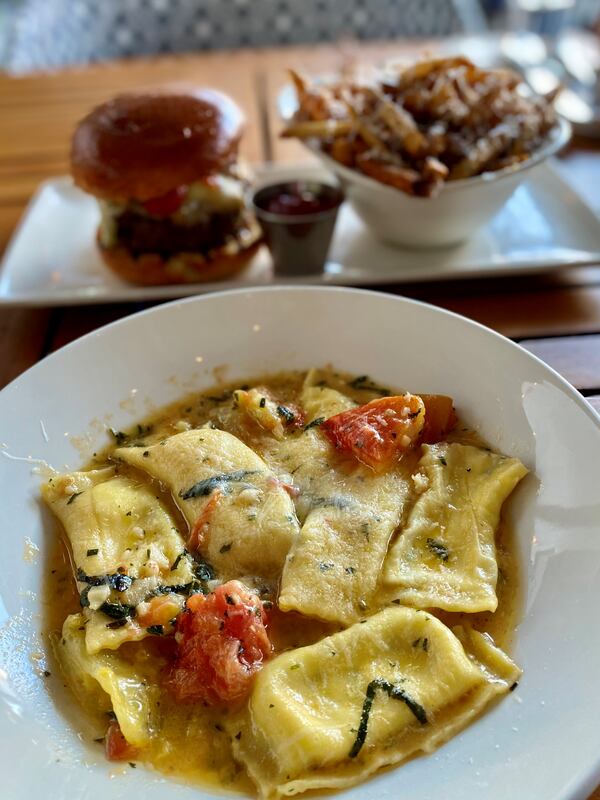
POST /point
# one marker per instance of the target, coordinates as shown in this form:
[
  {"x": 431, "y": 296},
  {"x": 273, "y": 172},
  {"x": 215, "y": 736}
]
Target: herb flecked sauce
[{"x": 190, "y": 744}]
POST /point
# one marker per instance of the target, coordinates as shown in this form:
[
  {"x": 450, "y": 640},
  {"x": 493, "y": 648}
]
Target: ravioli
[
  {"x": 446, "y": 555},
  {"x": 308, "y": 724},
  {"x": 323, "y": 402},
  {"x": 115, "y": 684},
  {"x": 244, "y": 518},
  {"x": 349, "y": 514},
  {"x": 116, "y": 525},
  {"x": 331, "y": 661}
]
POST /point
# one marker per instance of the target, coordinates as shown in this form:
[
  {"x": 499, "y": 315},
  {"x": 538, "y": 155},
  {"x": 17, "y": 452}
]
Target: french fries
[
  {"x": 417, "y": 127},
  {"x": 318, "y": 129}
]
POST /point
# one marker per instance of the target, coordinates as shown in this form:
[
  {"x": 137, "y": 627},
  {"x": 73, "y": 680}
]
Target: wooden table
[{"x": 557, "y": 316}]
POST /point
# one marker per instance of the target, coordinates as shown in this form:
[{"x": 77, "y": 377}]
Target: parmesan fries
[{"x": 417, "y": 127}]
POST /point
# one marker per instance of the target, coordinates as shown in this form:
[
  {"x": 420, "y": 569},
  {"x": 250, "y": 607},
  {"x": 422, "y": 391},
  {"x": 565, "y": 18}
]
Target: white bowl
[
  {"x": 453, "y": 215},
  {"x": 539, "y": 743}
]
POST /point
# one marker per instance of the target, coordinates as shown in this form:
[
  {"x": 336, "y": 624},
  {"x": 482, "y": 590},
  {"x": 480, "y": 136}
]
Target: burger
[{"x": 164, "y": 168}]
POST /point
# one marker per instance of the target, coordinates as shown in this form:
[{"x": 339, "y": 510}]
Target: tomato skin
[
  {"x": 116, "y": 746},
  {"x": 379, "y": 432},
  {"x": 201, "y": 526},
  {"x": 440, "y": 417},
  {"x": 166, "y": 204},
  {"x": 158, "y": 611},
  {"x": 222, "y": 642}
]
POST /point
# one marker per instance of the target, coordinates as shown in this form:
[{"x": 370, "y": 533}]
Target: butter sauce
[{"x": 190, "y": 743}]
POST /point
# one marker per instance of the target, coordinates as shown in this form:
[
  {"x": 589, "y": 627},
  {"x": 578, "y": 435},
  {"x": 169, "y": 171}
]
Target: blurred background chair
[
  {"x": 550, "y": 17},
  {"x": 43, "y": 34}
]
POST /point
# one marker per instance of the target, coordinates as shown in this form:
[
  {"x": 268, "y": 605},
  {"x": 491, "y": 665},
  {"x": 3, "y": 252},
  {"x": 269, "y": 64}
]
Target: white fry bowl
[{"x": 460, "y": 209}]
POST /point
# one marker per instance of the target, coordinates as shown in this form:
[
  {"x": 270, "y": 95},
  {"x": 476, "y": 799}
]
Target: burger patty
[{"x": 140, "y": 234}]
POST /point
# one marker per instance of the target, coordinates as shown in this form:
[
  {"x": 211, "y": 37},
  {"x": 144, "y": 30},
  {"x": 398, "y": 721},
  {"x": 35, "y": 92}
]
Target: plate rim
[{"x": 132, "y": 294}]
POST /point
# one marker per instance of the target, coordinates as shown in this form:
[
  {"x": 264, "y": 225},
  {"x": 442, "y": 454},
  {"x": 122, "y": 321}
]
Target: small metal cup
[{"x": 299, "y": 243}]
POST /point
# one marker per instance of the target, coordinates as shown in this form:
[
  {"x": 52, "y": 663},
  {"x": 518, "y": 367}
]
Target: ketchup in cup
[{"x": 298, "y": 218}]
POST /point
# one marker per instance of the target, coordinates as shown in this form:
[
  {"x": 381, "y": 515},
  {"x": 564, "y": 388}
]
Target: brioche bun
[
  {"x": 141, "y": 146},
  {"x": 149, "y": 269}
]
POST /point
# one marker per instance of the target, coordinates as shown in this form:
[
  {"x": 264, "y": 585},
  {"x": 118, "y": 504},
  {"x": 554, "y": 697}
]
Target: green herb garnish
[
  {"x": 83, "y": 597},
  {"x": 208, "y": 485},
  {"x": 225, "y": 548},
  {"x": 118, "y": 623},
  {"x": 203, "y": 571},
  {"x": 116, "y": 580},
  {"x": 393, "y": 691},
  {"x": 73, "y": 496},
  {"x": 438, "y": 549},
  {"x": 365, "y": 383},
  {"x": 175, "y": 564},
  {"x": 221, "y": 397},
  {"x": 117, "y": 610},
  {"x": 157, "y": 630},
  {"x": 119, "y": 436},
  {"x": 287, "y": 415},
  {"x": 316, "y": 422},
  {"x": 335, "y": 501},
  {"x": 92, "y": 552}
]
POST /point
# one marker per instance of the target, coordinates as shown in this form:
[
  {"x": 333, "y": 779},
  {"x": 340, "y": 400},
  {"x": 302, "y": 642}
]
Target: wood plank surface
[
  {"x": 556, "y": 317},
  {"x": 83, "y": 319},
  {"x": 548, "y": 312},
  {"x": 23, "y": 334},
  {"x": 576, "y": 358},
  {"x": 566, "y": 303}
]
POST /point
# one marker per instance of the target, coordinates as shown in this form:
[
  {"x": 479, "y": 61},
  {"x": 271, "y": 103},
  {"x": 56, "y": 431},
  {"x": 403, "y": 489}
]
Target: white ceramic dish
[
  {"x": 539, "y": 743},
  {"x": 460, "y": 209},
  {"x": 545, "y": 225}
]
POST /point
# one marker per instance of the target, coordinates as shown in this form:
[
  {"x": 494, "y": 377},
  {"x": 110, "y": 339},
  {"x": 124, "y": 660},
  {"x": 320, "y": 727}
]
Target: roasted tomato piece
[
  {"x": 379, "y": 432},
  {"x": 440, "y": 417},
  {"x": 159, "y": 610},
  {"x": 166, "y": 204},
  {"x": 116, "y": 745},
  {"x": 222, "y": 642}
]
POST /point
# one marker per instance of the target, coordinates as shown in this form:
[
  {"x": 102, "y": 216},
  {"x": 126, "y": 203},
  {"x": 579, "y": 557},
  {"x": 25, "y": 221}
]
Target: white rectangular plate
[{"x": 52, "y": 259}]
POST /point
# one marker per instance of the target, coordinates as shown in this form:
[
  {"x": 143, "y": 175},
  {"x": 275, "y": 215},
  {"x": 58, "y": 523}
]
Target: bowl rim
[
  {"x": 558, "y": 137},
  {"x": 582, "y": 781},
  {"x": 162, "y": 308}
]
